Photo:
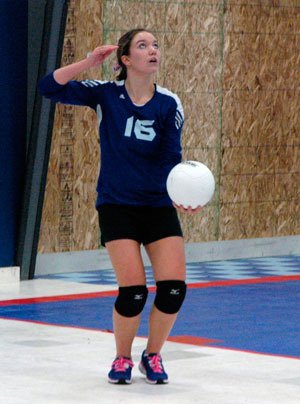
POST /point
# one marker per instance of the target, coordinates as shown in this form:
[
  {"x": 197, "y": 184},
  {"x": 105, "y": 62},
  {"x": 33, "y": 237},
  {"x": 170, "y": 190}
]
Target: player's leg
[
  {"x": 168, "y": 262},
  {"x": 127, "y": 262},
  {"x": 119, "y": 225}
]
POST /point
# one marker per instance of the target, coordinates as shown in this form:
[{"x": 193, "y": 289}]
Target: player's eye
[{"x": 142, "y": 45}]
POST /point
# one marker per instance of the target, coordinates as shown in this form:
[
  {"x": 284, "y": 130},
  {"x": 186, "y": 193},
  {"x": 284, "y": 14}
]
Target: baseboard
[
  {"x": 248, "y": 248},
  {"x": 9, "y": 275},
  {"x": 195, "y": 252}
]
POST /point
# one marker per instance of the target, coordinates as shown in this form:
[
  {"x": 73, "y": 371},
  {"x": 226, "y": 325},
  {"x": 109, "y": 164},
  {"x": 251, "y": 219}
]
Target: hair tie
[{"x": 116, "y": 67}]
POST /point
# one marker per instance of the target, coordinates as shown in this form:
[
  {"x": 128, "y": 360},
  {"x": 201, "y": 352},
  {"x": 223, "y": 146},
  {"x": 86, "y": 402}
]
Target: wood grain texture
[{"x": 235, "y": 66}]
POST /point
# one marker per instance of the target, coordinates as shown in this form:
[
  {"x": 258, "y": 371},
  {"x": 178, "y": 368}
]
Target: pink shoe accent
[
  {"x": 155, "y": 363},
  {"x": 121, "y": 364}
]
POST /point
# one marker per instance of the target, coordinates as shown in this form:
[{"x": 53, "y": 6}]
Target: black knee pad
[
  {"x": 170, "y": 296},
  {"x": 131, "y": 300}
]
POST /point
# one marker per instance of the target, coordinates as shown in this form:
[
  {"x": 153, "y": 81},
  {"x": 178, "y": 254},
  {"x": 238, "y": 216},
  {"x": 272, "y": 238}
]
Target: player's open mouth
[{"x": 153, "y": 60}]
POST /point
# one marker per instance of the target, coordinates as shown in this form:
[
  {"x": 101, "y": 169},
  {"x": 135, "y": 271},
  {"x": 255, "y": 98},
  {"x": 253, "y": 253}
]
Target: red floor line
[
  {"x": 109, "y": 293},
  {"x": 60, "y": 298},
  {"x": 232, "y": 282}
]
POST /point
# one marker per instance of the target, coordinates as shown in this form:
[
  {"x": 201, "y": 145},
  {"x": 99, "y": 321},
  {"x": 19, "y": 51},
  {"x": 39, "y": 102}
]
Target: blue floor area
[
  {"x": 262, "y": 318},
  {"x": 201, "y": 271}
]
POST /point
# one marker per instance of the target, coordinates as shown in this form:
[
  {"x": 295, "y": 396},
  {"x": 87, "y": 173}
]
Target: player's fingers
[
  {"x": 197, "y": 209},
  {"x": 108, "y": 52},
  {"x": 182, "y": 209},
  {"x": 100, "y": 50}
]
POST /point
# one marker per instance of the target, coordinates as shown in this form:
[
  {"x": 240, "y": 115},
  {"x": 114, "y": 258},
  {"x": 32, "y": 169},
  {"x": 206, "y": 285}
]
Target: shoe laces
[
  {"x": 155, "y": 363},
  {"x": 121, "y": 364}
]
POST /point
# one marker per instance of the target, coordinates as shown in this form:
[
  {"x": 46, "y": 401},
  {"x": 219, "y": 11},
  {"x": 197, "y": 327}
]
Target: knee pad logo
[
  {"x": 170, "y": 296},
  {"x": 175, "y": 292},
  {"x": 131, "y": 300},
  {"x": 138, "y": 297}
]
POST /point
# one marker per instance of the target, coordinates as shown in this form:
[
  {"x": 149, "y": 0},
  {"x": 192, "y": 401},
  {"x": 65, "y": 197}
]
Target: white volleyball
[{"x": 190, "y": 184}]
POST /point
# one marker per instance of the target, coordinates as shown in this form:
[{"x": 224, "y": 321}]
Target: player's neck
[{"x": 140, "y": 89}]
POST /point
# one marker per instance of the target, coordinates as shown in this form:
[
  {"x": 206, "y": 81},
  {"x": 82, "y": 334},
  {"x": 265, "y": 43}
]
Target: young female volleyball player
[{"x": 140, "y": 129}]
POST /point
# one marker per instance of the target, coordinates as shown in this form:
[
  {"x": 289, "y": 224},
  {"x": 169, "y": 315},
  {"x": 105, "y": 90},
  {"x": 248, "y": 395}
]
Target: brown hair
[{"x": 123, "y": 49}]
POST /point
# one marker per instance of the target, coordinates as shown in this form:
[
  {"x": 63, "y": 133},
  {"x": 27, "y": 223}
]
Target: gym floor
[{"x": 236, "y": 340}]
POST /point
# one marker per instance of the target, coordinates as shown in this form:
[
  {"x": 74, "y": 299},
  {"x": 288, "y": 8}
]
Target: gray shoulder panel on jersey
[
  {"x": 165, "y": 91},
  {"x": 95, "y": 83}
]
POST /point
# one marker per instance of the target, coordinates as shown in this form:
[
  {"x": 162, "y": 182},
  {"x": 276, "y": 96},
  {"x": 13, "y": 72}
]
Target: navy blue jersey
[{"x": 139, "y": 144}]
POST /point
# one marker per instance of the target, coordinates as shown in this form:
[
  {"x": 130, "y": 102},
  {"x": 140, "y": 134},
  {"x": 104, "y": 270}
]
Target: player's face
[{"x": 144, "y": 56}]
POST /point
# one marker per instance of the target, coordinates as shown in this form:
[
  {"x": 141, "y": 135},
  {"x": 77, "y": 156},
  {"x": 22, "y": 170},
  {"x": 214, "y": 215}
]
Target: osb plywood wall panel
[
  {"x": 260, "y": 175},
  {"x": 235, "y": 66},
  {"x": 69, "y": 220}
]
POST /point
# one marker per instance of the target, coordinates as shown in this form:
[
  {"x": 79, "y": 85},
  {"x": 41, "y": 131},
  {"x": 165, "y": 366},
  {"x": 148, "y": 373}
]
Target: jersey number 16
[{"x": 142, "y": 129}]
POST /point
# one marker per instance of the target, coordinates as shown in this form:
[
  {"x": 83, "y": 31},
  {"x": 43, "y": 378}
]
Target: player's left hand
[{"x": 188, "y": 210}]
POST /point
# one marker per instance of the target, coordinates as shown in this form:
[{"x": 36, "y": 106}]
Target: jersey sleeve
[
  {"x": 73, "y": 93},
  {"x": 171, "y": 143}
]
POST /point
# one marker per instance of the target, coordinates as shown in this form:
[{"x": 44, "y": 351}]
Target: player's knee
[
  {"x": 170, "y": 295},
  {"x": 131, "y": 300}
]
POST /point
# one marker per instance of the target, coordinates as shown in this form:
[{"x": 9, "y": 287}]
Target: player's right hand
[{"x": 100, "y": 53}]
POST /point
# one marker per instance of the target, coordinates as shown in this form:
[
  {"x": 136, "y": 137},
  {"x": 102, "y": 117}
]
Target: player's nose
[{"x": 153, "y": 50}]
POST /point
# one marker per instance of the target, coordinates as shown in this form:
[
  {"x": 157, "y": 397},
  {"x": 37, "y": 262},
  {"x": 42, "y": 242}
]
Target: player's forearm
[{"x": 64, "y": 74}]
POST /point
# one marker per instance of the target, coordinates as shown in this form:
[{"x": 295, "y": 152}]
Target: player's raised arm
[{"x": 64, "y": 74}]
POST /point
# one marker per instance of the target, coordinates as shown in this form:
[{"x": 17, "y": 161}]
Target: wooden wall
[
  {"x": 235, "y": 66},
  {"x": 260, "y": 174}
]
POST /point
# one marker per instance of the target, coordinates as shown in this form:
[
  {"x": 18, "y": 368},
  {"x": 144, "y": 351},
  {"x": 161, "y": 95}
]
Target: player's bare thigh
[
  {"x": 167, "y": 257},
  {"x": 127, "y": 262}
]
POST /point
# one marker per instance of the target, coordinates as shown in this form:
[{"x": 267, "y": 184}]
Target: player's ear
[{"x": 125, "y": 60}]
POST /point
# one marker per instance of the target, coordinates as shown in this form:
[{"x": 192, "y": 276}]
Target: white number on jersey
[{"x": 142, "y": 129}]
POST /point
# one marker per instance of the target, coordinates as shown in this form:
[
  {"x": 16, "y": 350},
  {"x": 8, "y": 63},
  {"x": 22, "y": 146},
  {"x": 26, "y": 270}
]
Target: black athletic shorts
[{"x": 143, "y": 224}]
